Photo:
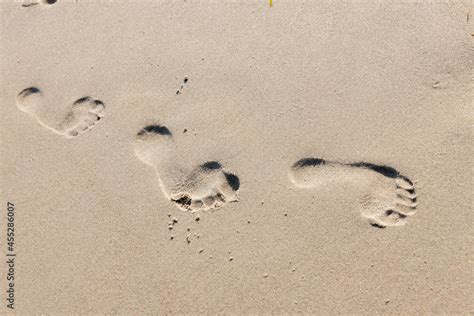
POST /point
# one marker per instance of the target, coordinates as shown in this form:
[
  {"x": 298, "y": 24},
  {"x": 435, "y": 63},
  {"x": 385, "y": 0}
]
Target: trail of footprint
[
  {"x": 392, "y": 197},
  {"x": 81, "y": 116},
  {"x": 206, "y": 186}
]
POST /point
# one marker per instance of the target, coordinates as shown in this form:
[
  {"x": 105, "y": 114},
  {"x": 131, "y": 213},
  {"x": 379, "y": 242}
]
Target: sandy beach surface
[{"x": 225, "y": 157}]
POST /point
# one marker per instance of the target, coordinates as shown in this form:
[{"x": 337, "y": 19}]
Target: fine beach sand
[{"x": 224, "y": 157}]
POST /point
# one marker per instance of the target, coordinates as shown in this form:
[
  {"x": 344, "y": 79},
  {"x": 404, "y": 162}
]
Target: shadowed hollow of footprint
[
  {"x": 207, "y": 186},
  {"x": 390, "y": 198}
]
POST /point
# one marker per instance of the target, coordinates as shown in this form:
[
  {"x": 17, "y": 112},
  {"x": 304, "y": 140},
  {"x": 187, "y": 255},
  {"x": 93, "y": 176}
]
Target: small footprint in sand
[
  {"x": 79, "y": 117},
  {"x": 203, "y": 187},
  {"x": 390, "y": 197}
]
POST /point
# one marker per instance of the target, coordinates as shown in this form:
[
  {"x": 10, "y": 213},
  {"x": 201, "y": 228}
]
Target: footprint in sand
[
  {"x": 390, "y": 197},
  {"x": 30, "y": 3},
  {"x": 203, "y": 187},
  {"x": 79, "y": 117}
]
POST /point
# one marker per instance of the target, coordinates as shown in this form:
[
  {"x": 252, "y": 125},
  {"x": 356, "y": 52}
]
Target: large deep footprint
[
  {"x": 389, "y": 201},
  {"x": 203, "y": 187},
  {"x": 79, "y": 117}
]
